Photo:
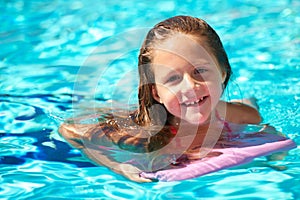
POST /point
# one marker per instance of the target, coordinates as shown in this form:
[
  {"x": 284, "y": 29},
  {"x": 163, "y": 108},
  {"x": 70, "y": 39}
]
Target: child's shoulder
[{"x": 239, "y": 111}]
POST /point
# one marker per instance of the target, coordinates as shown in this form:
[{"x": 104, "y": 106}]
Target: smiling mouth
[{"x": 195, "y": 103}]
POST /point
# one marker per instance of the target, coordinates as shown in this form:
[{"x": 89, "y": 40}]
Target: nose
[{"x": 189, "y": 86}]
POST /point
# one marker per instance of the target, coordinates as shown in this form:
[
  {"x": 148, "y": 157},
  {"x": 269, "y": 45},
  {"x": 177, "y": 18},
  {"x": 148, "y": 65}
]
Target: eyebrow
[{"x": 200, "y": 62}]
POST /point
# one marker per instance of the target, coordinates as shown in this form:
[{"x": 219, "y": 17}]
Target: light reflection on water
[{"x": 43, "y": 47}]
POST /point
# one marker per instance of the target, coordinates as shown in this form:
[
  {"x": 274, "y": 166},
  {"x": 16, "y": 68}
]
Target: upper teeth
[{"x": 194, "y": 102}]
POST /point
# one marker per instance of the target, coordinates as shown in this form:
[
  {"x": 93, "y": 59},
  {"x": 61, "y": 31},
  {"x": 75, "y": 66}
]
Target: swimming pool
[{"x": 50, "y": 57}]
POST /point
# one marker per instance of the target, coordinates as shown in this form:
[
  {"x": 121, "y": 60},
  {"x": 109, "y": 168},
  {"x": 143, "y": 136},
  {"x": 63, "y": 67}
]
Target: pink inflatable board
[{"x": 240, "y": 150}]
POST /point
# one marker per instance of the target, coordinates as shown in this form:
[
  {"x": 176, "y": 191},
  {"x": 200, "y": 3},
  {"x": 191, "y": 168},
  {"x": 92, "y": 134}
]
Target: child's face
[{"x": 188, "y": 79}]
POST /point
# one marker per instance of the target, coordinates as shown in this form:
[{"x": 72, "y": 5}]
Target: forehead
[{"x": 182, "y": 48}]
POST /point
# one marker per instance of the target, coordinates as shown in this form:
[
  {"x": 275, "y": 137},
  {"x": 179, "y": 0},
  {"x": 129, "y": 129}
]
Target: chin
[{"x": 197, "y": 120}]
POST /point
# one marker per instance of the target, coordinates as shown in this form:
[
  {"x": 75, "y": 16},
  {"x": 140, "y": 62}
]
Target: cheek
[
  {"x": 170, "y": 101},
  {"x": 215, "y": 92},
  {"x": 215, "y": 86},
  {"x": 173, "y": 106}
]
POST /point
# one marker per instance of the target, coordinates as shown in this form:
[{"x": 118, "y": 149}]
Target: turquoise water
[{"x": 58, "y": 57}]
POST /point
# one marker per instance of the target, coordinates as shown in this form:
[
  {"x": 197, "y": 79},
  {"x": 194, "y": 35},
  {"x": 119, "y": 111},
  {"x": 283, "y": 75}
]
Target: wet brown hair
[{"x": 164, "y": 30}]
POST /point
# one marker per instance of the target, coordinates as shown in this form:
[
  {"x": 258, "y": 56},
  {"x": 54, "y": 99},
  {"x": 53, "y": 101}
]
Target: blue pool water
[{"x": 58, "y": 57}]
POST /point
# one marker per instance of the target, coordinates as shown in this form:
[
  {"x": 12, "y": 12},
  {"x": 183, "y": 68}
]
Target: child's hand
[
  {"x": 200, "y": 153},
  {"x": 131, "y": 172}
]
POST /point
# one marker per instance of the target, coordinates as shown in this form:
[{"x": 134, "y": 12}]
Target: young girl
[{"x": 183, "y": 71}]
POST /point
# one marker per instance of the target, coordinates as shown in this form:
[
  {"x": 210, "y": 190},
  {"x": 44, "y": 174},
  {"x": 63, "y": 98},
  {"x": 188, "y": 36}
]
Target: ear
[
  {"x": 224, "y": 74},
  {"x": 155, "y": 94}
]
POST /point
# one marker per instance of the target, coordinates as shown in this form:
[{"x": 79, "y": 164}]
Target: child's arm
[
  {"x": 252, "y": 102},
  {"x": 243, "y": 111},
  {"x": 74, "y": 135}
]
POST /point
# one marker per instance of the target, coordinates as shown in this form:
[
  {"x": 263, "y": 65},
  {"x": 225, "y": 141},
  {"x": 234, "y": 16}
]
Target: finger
[{"x": 138, "y": 178}]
